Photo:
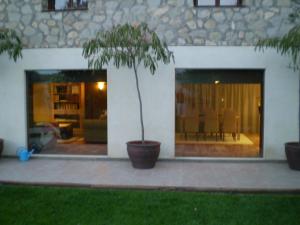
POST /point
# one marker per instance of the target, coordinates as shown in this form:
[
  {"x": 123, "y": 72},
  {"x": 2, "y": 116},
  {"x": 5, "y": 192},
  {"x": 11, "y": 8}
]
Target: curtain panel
[{"x": 194, "y": 99}]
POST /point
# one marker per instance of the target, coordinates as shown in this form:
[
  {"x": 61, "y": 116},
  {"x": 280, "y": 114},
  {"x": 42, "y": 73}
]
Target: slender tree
[
  {"x": 128, "y": 46},
  {"x": 289, "y": 43},
  {"x": 10, "y": 43}
]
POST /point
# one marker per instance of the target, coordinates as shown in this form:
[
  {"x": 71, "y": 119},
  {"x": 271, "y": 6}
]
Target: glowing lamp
[{"x": 101, "y": 85}]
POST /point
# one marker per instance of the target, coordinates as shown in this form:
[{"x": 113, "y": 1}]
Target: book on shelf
[{"x": 75, "y": 89}]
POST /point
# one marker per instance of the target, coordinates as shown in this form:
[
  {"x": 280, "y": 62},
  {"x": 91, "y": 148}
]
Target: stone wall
[{"x": 177, "y": 21}]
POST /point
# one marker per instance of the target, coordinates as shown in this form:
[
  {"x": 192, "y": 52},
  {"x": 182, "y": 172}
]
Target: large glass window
[
  {"x": 217, "y": 2},
  {"x": 219, "y": 113},
  {"x": 56, "y": 5},
  {"x": 67, "y": 112}
]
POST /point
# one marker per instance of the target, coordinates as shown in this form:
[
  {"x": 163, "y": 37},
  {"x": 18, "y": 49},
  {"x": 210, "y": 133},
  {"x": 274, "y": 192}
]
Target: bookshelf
[{"x": 67, "y": 107}]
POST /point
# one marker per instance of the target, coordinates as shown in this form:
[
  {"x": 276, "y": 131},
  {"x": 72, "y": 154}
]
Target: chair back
[
  {"x": 191, "y": 124},
  {"x": 229, "y": 121},
  {"x": 211, "y": 121}
]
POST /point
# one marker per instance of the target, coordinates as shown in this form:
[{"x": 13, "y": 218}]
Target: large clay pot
[
  {"x": 1, "y": 146},
  {"x": 292, "y": 150},
  {"x": 143, "y": 155}
]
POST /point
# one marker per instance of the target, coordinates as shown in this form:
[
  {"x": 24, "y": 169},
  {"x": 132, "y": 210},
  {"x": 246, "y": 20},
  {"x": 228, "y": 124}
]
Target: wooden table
[{"x": 66, "y": 130}]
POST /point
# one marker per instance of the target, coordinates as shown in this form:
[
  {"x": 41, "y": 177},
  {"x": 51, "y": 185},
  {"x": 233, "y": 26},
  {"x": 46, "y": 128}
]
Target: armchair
[{"x": 95, "y": 130}]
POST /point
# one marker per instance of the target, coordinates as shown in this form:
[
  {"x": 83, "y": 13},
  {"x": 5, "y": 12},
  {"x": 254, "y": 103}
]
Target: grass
[{"x": 73, "y": 206}]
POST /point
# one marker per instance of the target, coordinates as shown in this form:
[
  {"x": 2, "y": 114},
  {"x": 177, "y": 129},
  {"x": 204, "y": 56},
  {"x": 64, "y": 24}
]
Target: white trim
[
  {"x": 221, "y": 158},
  {"x": 200, "y": 159},
  {"x": 62, "y": 156}
]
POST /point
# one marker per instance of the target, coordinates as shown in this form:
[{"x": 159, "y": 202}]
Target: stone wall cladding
[{"x": 177, "y": 21}]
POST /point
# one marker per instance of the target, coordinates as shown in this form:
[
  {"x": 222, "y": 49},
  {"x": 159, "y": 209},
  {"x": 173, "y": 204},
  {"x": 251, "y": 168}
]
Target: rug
[{"x": 192, "y": 139}]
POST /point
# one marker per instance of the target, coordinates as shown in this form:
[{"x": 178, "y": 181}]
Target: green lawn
[{"x": 55, "y": 206}]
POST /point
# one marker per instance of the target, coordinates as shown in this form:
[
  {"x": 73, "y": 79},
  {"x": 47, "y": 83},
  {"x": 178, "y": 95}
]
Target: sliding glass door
[
  {"x": 219, "y": 113},
  {"x": 67, "y": 112}
]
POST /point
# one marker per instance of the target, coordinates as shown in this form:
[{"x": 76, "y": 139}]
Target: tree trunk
[{"x": 140, "y": 101}]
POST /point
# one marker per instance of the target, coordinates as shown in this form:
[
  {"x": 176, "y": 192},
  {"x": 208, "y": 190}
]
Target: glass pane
[
  {"x": 67, "y": 112},
  {"x": 61, "y": 4},
  {"x": 206, "y": 2},
  {"x": 218, "y": 114},
  {"x": 66, "y": 4},
  {"x": 81, "y": 3},
  {"x": 228, "y": 2}
]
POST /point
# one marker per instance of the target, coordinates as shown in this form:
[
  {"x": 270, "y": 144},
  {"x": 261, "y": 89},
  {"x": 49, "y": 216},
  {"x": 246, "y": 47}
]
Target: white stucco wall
[{"x": 158, "y": 92}]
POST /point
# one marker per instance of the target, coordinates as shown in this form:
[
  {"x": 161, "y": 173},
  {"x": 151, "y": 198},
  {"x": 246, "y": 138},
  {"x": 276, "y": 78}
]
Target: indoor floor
[
  {"x": 249, "y": 146},
  {"x": 77, "y": 149},
  {"x": 75, "y": 146}
]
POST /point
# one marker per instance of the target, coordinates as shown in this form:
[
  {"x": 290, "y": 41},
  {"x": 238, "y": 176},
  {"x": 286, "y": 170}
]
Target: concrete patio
[{"x": 187, "y": 175}]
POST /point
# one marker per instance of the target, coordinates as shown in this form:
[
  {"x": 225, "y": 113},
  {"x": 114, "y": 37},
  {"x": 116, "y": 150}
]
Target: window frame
[
  {"x": 51, "y": 6},
  {"x": 217, "y": 4}
]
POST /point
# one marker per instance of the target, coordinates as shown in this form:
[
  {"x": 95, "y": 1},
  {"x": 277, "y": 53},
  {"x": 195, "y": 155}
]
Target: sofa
[{"x": 95, "y": 130}]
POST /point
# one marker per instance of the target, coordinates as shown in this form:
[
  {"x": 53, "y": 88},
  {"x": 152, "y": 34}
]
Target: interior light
[
  {"x": 217, "y": 81},
  {"x": 101, "y": 85}
]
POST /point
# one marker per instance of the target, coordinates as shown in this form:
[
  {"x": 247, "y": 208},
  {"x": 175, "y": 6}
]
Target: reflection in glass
[
  {"x": 66, "y": 4},
  {"x": 217, "y": 116},
  {"x": 206, "y": 2},
  {"x": 228, "y": 2},
  {"x": 60, "y": 4},
  {"x": 67, "y": 112}
]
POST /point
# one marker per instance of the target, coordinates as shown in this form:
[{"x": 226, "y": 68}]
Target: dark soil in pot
[
  {"x": 292, "y": 150},
  {"x": 143, "y": 155}
]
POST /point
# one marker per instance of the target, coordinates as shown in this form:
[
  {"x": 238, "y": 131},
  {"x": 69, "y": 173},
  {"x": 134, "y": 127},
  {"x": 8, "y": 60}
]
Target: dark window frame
[
  {"x": 217, "y": 4},
  {"x": 70, "y": 7}
]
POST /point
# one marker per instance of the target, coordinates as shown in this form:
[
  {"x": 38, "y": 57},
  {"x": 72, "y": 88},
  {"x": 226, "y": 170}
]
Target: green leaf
[
  {"x": 289, "y": 44},
  {"x": 126, "y": 45},
  {"x": 10, "y": 43}
]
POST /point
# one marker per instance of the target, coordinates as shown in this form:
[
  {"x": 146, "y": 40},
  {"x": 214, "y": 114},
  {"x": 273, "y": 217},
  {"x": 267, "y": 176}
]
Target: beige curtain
[{"x": 244, "y": 99}]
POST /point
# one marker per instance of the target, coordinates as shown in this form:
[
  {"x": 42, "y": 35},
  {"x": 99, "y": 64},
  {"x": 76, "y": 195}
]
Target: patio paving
[{"x": 188, "y": 175}]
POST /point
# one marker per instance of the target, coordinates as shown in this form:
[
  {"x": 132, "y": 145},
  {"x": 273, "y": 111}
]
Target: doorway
[
  {"x": 67, "y": 112},
  {"x": 219, "y": 113}
]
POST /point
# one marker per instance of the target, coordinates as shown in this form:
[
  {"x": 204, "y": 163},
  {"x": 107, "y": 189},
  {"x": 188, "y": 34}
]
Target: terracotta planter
[
  {"x": 292, "y": 150},
  {"x": 1, "y": 146},
  {"x": 143, "y": 155}
]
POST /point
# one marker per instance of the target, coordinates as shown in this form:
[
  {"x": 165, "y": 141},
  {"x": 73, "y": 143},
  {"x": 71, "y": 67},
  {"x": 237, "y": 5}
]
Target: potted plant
[
  {"x": 131, "y": 46},
  {"x": 289, "y": 45},
  {"x": 10, "y": 43}
]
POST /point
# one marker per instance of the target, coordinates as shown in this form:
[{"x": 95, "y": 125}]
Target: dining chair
[
  {"x": 211, "y": 123},
  {"x": 191, "y": 125},
  {"x": 229, "y": 124}
]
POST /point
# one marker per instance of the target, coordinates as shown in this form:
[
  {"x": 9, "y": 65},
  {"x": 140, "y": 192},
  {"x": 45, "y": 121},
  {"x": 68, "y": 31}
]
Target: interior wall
[
  {"x": 281, "y": 94},
  {"x": 42, "y": 109},
  {"x": 95, "y": 101}
]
